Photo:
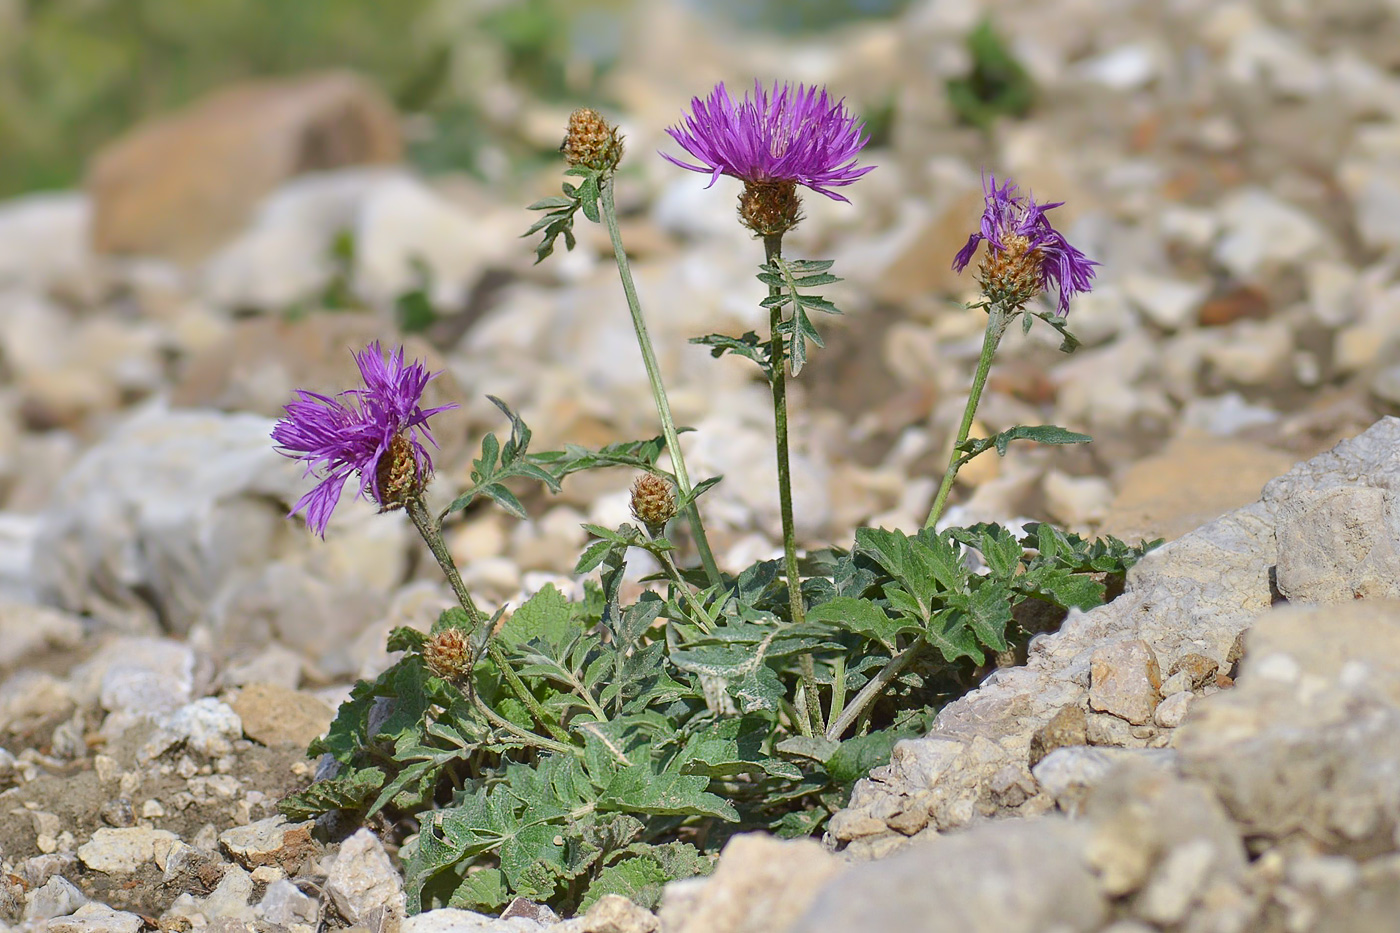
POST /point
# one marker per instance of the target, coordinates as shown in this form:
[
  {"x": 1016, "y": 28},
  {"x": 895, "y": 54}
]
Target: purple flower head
[
  {"x": 782, "y": 135},
  {"x": 352, "y": 432},
  {"x": 1011, "y": 221}
]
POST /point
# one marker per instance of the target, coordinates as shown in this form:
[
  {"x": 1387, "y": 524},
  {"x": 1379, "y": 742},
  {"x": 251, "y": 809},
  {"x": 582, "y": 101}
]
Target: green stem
[
  {"x": 871, "y": 691},
  {"x": 777, "y": 377},
  {"x": 997, "y": 319},
  {"x": 658, "y": 390},
  {"x": 431, "y": 532},
  {"x": 703, "y": 619},
  {"x": 522, "y": 692},
  {"x": 525, "y": 735}
]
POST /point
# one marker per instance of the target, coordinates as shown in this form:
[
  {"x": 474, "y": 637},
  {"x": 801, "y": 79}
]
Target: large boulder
[{"x": 177, "y": 187}]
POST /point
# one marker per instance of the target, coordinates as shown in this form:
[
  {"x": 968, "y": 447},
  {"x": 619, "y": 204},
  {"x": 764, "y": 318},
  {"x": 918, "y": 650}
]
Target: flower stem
[
  {"x": 997, "y": 319},
  {"x": 777, "y": 377},
  {"x": 872, "y": 690},
  {"x": 431, "y": 533},
  {"x": 658, "y": 389}
]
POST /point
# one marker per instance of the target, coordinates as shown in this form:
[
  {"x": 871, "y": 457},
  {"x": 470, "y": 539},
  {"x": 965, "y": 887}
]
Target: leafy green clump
[
  {"x": 658, "y": 729},
  {"x": 997, "y": 86}
]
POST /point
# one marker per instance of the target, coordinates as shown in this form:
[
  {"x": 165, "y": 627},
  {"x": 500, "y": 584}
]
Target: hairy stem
[
  {"x": 997, "y": 319},
  {"x": 658, "y": 389},
  {"x": 872, "y": 690},
  {"x": 522, "y": 692},
  {"x": 702, "y": 617},
  {"x": 431, "y": 532},
  {"x": 777, "y": 376},
  {"x": 525, "y": 735}
]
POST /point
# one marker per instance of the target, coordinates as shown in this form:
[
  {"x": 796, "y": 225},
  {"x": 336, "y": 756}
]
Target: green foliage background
[{"x": 75, "y": 73}]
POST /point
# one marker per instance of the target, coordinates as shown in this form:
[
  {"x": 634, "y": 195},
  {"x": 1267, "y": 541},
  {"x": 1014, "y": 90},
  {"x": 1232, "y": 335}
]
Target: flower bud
[
  {"x": 653, "y": 502},
  {"x": 447, "y": 655},
  {"x": 591, "y": 142},
  {"x": 397, "y": 475},
  {"x": 770, "y": 208}
]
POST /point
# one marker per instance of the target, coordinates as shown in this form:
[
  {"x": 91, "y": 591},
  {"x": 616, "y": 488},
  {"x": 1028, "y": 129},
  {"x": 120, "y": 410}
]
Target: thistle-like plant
[{"x": 565, "y": 750}]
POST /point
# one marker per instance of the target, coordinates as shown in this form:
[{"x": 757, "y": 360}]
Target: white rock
[
  {"x": 362, "y": 880},
  {"x": 1171, "y": 711},
  {"x": 284, "y": 257},
  {"x": 44, "y": 239},
  {"x": 284, "y": 904},
  {"x": 1224, "y": 415},
  {"x": 455, "y": 920},
  {"x": 1261, "y": 230},
  {"x": 208, "y": 727},
  {"x": 95, "y": 918},
  {"x": 1077, "y": 500},
  {"x": 121, "y": 851},
  {"x": 403, "y": 221},
  {"x": 1171, "y": 304},
  {"x": 1125, "y": 68},
  {"x": 57, "y": 897},
  {"x": 1176, "y": 882}
]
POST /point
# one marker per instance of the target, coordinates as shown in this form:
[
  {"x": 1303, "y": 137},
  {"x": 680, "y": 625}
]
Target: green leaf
[
  {"x": 347, "y": 791},
  {"x": 550, "y": 203},
  {"x": 855, "y": 757},
  {"x": 989, "y": 612},
  {"x": 403, "y": 638},
  {"x": 639, "y": 879},
  {"x": 862, "y": 617},
  {"x": 483, "y": 890},
  {"x": 948, "y": 632},
  {"x": 505, "y": 499},
  {"x": 454, "y": 617},
  {"x": 545, "y": 617},
  {"x": 749, "y": 346}
]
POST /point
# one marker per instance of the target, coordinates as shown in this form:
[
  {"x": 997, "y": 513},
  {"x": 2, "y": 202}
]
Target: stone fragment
[
  {"x": 1171, "y": 711},
  {"x": 178, "y": 186},
  {"x": 1302, "y": 745},
  {"x": 1199, "y": 668},
  {"x": 1177, "y": 882},
  {"x": 273, "y": 841},
  {"x": 760, "y": 884},
  {"x": 1124, "y": 680},
  {"x": 95, "y": 918},
  {"x": 1005, "y": 877},
  {"x": 524, "y": 909},
  {"x": 363, "y": 883},
  {"x": 283, "y": 903},
  {"x": 206, "y": 727},
  {"x": 121, "y": 851},
  {"x": 57, "y": 897},
  {"x": 279, "y": 717},
  {"x": 1339, "y": 544},
  {"x": 229, "y": 899},
  {"x": 456, "y": 920},
  {"x": 1108, "y": 731},
  {"x": 612, "y": 913}
]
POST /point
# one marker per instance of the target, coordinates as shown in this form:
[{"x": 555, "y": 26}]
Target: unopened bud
[
  {"x": 653, "y": 501},
  {"x": 397, "y": 475},
  {"x": 591, "y": 142},
  {"x": 447, "y": 655},
  {"x": 770, "y": 208}
]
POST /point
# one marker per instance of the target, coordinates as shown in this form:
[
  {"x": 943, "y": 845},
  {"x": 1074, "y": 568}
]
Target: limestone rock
[
  {"x": 121, "y": 851},
  {"x": 272, "y": 841},
  {"x": 178, "y": 186},
  {"x": 1125, "y": 680},
  {"x": 1008, "y": 877},
  {"x": 760, "y": 884},
  {"x": 362, "y": 883},
  {"x": 1303, "y": 743},
  {"x": 281, "y": 718}
]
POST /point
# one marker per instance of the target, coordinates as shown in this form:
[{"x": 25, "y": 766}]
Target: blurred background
[{"x": 207, "y": 206}]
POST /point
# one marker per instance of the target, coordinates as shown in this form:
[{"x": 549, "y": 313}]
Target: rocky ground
[{"x": 1196, "y": 757}]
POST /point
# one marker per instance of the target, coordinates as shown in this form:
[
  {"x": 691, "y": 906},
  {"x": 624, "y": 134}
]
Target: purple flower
[
  {"x": 1010, "y": 215},
  {"x": 785, "y": 135},
  {"x": 352, "y": 432}
]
